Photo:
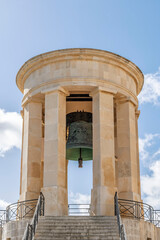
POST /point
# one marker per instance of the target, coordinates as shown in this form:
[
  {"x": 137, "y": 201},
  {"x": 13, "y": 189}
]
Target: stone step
[
  {"x": 78, "y": 238},
  {"x": 74, "y": 236},
  {"x": 82, "y": 222},
  {"x": 79, "y": 218},
  {"x": 81, "y": 227},
  {"x": 77, "y": 224},
  {"x": 51, "y": 226},
  {"x": 78, "y": 231},
  {"x": 77, "y": 228}
]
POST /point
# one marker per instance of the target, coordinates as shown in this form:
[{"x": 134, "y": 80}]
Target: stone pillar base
[
  {"x": 55, "y": 197},
  {"x": 102, "y": 201}
]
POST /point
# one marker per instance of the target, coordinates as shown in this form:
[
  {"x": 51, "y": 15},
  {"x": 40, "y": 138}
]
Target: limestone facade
[
  {"x": 113, "y": 82},
  {"x": 140, "y": 230},
  {"x": 14, "y": 230}
]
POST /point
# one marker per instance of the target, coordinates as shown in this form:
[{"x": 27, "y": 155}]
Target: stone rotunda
[
  {"x": 81, "y": 104},
  {"x": 49, "y": 82}
]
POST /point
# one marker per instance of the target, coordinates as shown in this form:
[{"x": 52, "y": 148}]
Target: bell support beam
[
  {"x": 102, "y": 199},
  {"x": 55, "y": 164},
  {"x": 128, "y": 155}
]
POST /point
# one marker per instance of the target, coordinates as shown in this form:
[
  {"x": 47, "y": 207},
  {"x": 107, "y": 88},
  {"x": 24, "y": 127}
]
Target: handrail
[
  {"x": 127, "y": 200},
  {"x": 39, "y": 211},
  {"x": 20, "y": 210},
  {"x": 21, "y": 202},
  {"x": 156, "y": 220},
  {"x": 139, "y": 210},
  {"x": 78, "y": 209},
  {"x": 2, "y": 218},
  {"x": 121, "y": 227}
]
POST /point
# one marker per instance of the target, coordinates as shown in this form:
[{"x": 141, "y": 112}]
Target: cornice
[
  {"x": 66, "y": 84},
  {"x": 124, "y": 99},
  {"x": 79, "y": 54}
]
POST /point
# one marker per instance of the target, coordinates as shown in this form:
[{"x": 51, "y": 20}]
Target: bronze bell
[{"x": 79, "y": 137}]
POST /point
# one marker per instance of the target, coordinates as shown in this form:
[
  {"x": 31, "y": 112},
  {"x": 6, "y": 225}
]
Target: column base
[
  {"x": 102, "y": 201},
  {"x": 56, "y": 201}
]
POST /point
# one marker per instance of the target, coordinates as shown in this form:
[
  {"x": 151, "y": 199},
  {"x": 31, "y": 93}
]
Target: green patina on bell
[{"x": 79, "y": 136}]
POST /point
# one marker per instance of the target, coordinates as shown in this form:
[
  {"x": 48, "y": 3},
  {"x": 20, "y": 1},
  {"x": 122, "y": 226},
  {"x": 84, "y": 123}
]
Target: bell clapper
[{"x": 80, "y": 160}]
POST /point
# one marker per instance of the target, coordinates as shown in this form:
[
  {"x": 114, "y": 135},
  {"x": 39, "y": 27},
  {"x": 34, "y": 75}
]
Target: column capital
[
  {"x": 102, "y": 89},
  {"x": 55, "y": 89},
  {"x": 33, "y": 99},
  {"x": 124, "y": 99}
]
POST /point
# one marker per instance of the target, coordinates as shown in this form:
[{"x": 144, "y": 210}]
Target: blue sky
[{"x": 128, "y": 28}]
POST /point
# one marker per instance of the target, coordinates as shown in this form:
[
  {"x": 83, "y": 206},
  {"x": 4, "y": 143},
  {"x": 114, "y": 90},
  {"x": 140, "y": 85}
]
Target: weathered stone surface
[
  {"x": 55, "y": 164},
  {"x": 103, "y": 154},
  {"x": 31, "y": 151},
  {"x": 140, "y": 230},
  {"x": 77, "y": 228},
  {"x": 14, "y": 230}
]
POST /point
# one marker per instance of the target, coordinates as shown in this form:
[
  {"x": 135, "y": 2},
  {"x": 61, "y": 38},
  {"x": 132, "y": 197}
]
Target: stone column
[
  {"x": 22, "y": 115},
  {"x": 137, "y": 144},
  {"x": 55, "y": 164},
  {"x": 31, "y": 151},
  {"x": 102, "y": 199},
  {"x": 128, "y": 173}
]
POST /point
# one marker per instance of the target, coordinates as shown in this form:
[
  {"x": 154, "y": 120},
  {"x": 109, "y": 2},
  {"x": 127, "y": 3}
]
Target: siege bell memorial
[{"x": 81, "y": 105}]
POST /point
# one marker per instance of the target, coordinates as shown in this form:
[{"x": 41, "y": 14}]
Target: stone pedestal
[{"x": 55, "y": 164}]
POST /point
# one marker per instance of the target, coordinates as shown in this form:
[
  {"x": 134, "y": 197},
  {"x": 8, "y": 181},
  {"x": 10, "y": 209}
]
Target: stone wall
[
  {"x": 14, "y": 230},
  {"x": 140, "y": 230}
]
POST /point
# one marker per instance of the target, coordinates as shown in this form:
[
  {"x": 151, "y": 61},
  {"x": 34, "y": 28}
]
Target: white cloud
[
  {"x": 156, "y": 153},
  {"x": 79, "y": 198},
  {"x": 10, "y": 131},
  {"x": 145, "y": 143},
  {"x": 150, "y": 185},
  {"x": 150, "y": 182},
  {"x": 3, "y": 204},
  {"x": 151, "y": 89}
]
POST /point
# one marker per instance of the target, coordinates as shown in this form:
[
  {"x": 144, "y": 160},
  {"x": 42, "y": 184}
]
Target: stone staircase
[{"x": 76, "y": 228}]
